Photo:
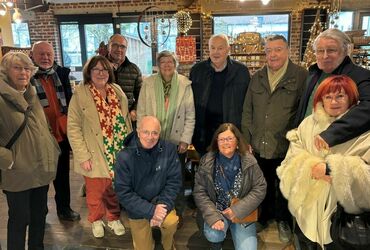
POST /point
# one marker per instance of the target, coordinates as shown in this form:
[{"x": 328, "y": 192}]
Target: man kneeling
[{"x": 147, "y": 181}]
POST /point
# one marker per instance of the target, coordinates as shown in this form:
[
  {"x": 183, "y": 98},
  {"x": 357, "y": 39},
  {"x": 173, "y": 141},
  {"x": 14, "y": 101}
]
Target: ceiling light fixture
[
  {"x": 3, "y": 9},
  {"x": 17, "y": 16},
  {"x": 265, "y": 2}
]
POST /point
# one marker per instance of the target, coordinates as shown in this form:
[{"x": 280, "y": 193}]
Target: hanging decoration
[
  {"x": 184, "y": 21},
  {"x": 309, "y": 57},
  {"x": 153, "y": 26},
  {"x": 333, "y": 12},
  {"x": 186, "y": 49}
]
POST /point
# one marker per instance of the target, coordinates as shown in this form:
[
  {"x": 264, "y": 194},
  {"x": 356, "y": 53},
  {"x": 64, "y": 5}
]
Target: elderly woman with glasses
[
  {"x": 229, "y": 171},
  {"x": 168, "y": 96},
  {"x": 28, "y": 153},
  {"x": 314, "y": 181},
  {"x": 98, "y": 123}
]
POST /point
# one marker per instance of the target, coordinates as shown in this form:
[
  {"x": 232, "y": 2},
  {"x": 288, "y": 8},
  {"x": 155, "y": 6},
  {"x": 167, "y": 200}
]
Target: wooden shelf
[{"x": 254, "y": 61}]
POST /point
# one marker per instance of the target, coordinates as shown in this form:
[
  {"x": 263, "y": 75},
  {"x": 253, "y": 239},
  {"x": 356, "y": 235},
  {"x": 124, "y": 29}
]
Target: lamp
[
  {"x": 17, "y": 16},
  {"x": 3, "y": 9},
  {"x": 265, "y": 2}
]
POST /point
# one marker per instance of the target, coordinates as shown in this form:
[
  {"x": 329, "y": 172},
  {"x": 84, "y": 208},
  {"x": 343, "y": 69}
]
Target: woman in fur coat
[{"x": 314, "y": 181}]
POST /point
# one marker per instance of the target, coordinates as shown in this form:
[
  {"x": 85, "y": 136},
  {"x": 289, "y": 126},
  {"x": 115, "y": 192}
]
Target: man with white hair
[
  {"x": 147, "y": 182},
  {"x": 54, "y": 91},
  {"x": 331, "y": 50},
  {"x": 219, "y": 87}
]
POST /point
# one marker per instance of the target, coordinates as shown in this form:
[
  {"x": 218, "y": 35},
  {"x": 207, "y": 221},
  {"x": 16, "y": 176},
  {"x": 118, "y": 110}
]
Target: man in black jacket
[
  {"x": 331, "y": 49},
  {"x": 219, "y": 87},
  {"x": 54, "y": 91},
  {"x": 127, "y": 74}
]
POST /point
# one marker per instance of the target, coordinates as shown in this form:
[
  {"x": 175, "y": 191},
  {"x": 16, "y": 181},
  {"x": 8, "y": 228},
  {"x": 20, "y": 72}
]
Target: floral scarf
[{"x": 112, "y": 123}]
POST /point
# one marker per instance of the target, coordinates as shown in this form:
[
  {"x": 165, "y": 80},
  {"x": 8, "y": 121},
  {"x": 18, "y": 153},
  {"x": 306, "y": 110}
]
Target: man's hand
[
  {"x": 160, "y": 212},
  {"x": 182, "y": 148},
  {"x": 218, "y": 225},
  {"x": 133, "y": 115},
  {"x": 86, "y": 165},
  {"x": 155, "y": 223},
  {"x": 228, "y": 213},
  {"x": 320, "y": 143}
]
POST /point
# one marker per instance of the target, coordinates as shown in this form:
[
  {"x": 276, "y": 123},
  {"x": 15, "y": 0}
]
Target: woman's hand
[
  {"x": 228, "y": 213},
  {"x": 182, "y": 148},
  {"x": 218, "y": 225},
  {"x": 318, "y": 171},
  {"x": 86, "y": 165}
]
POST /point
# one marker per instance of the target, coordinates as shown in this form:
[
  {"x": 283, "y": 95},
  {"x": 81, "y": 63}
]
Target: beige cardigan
[
  {"x": 184, "y": 122},
  {"x": 84, "y": 132},
  {"x": 312, "y": 202}
]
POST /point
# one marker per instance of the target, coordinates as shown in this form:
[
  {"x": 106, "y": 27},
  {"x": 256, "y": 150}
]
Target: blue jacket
[{"x": 144, "y": 178}]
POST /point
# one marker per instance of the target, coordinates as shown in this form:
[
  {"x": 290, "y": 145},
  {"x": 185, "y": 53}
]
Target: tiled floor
[{"x": 77, "y": 235}]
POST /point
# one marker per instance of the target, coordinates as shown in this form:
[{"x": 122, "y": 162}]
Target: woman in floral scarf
[{"x": 98, "y": 123}]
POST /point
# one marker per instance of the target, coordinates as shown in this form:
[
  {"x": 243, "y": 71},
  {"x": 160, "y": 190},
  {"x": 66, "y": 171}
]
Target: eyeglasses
[
  {"x": 166, "y": 62},
  {"x": 276, "y": 50},
  {"x": 338, "y": 98},
  {"x": 116, "y": 46},
  {"x": 329, "y": 51},
  {"x": 147, "y": 133},
  {"x": 98, "y": 71},
  {"x": 226, "y": 139},
  {"x": 19, "y": 69}
]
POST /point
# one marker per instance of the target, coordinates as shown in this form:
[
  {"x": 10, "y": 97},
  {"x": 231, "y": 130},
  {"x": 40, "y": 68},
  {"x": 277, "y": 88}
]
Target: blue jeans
[{"x": 244, "y": 235}]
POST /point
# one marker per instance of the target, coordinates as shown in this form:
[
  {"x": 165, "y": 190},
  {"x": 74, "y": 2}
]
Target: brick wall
[{"x": 45, "y": 26}]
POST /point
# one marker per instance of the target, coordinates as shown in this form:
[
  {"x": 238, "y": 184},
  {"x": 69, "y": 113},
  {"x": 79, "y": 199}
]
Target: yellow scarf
[{"x": 275, "y": 77}]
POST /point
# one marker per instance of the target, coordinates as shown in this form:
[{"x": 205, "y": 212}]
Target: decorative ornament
[
  {"x": 184, "y": 21},
  {"x": 152, "y": 23},
  {"x": 186, "y": 49},
  {"x": 309, "y": 57}
]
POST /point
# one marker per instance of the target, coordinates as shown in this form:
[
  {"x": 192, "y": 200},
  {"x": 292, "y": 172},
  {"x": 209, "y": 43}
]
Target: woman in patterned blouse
[{"x": 98, "y": 122}]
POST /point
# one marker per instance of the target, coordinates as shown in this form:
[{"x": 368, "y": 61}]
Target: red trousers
[{"x": 101, "y": 199}]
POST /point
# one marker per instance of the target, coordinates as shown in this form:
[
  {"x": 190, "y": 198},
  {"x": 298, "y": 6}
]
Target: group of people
[{"x": 289, "y": 141}]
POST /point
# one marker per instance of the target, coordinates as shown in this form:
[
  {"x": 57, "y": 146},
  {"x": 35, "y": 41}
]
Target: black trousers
[
  {"x": 61, "y": 182},
  {"x": 274, "y": 206},
  {"x": 180, "y": 202},
  {"x": 306, "y": 244},
  {"x": 27, "y": 208}
]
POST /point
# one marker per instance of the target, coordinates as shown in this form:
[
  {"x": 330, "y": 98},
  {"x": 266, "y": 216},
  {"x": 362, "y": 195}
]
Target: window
[
  {"x": 21, "y": 35},
  {"x": 80, "y": 36},
  {"x": 263, "y": 24},
  {"x": 366, "y": 24},
  {"x": 343, "y": 21},
  {"x": 140, "y": 54}
]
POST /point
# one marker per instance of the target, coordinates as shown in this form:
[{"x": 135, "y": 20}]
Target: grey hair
[
  {"x": 16, "y": 57},
  {"x": 275, "y": 37},
  {"x": 166, "y": 53},
  {"x": 336, "y": 35},
  {"x": 148, "y": 117},
  {"x": 222, "y": 36},
  {"x": 116, "y": 35}
]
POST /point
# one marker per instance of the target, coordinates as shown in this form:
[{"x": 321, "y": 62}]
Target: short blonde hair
[{"x": 11, "y": 58}]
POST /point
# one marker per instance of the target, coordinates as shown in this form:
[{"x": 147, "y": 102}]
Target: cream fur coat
[{"x": 312, "y": 202}]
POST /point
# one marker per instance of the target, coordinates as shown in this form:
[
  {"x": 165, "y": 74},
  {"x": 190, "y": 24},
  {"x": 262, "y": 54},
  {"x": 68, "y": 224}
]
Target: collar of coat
[
  {"x": 20, "y": 100},
  {"x": 208, "y": 161}
]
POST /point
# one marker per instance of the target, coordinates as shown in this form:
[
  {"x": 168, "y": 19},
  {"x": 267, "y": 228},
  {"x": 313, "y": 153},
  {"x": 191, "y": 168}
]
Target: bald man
[
  {"x": 147, "y": 181},
  {"x": 54, "y": 91},
  {"x": 127, "y": 74}
]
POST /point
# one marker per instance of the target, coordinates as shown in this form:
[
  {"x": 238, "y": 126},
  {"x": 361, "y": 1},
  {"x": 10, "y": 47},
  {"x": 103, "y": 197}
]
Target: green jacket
[
  {"x": 31, "y": 162},
  {"x": 267, "y": 117}
]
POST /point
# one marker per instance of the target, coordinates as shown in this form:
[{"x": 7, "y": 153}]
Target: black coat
[
  {"x": 236, "y": 86},
  {"x": 357, "y": 120}
]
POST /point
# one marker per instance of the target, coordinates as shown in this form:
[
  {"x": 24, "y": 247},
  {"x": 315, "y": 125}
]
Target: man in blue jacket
[{"x": 147, "y": 181}]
